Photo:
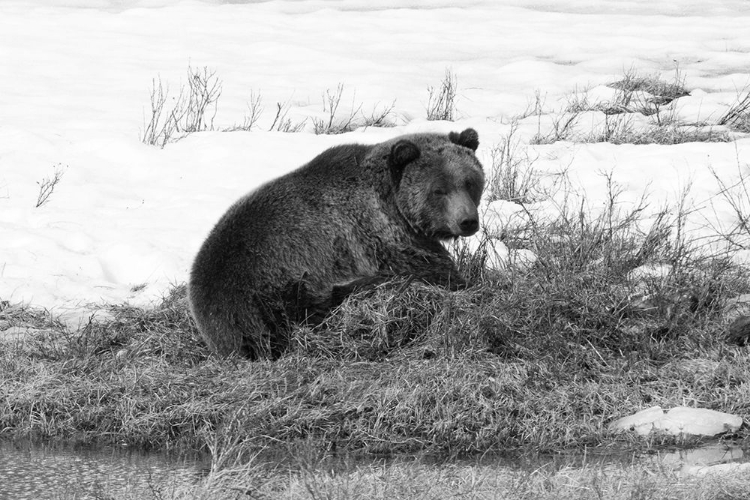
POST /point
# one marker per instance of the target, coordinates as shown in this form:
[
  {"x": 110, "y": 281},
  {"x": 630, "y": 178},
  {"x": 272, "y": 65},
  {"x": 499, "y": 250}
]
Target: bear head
[{"x": 438, "y": 183}]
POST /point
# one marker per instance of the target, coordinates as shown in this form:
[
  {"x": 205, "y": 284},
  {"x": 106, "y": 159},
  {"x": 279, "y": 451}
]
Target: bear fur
[{"x": 356, "y": 214}]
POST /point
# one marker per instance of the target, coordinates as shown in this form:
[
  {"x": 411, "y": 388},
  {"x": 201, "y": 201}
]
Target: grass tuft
[
  {"x": 662, "y": 92},
  {"x": 649, "y": 96},
  {"x": 738, "y": 115}
]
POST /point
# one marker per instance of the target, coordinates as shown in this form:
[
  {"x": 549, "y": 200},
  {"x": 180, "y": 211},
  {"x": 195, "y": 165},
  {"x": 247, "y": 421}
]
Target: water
[{"x": 44, "y": 471}]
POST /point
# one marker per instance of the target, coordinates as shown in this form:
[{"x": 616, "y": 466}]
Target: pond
[{"x": 30, "y": 470}]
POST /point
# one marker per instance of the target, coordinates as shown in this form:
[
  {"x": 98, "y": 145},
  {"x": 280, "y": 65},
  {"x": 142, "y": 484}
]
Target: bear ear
[
  {"x": 468, "y": 138},
  {"x": 403, "y": 152}
]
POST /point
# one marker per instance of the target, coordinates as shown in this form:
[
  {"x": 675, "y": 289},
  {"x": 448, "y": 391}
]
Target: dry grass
[
  {"x": 647, "y": 95},
  {"x": 738, "y": 115},
  {"x": 662, "y": 91}
]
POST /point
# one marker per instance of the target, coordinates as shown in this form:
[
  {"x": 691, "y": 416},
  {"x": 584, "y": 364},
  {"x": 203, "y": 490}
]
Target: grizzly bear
[{"x": 291, "y": 250}]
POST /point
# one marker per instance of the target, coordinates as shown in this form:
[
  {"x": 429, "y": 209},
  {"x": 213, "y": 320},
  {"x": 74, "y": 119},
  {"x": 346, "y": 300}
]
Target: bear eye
[{"x": 439, "y": 192}]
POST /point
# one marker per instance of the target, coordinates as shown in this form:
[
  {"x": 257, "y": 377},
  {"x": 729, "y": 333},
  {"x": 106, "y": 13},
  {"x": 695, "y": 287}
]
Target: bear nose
[{"x": 469, "y": 226}]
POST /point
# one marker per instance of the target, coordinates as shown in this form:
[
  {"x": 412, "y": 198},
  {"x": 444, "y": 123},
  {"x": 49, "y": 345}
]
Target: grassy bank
[
  {"x": 504, "y": 366},
  {"x": 617, "y": 313},
  {"x": 539, "y": 357}
]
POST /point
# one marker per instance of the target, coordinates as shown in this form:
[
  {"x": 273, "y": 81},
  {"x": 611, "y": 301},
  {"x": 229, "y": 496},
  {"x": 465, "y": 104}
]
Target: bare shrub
[
  {"x": 737, "y": 196},
  {"x": 48, "y": 184},
  {"x": 283, "y": 124},
  {"x": 204, "y": 90},
  {"x": 441, "y": 104},
  {"x": 171, "y": 118},
  {"x": 563, "y": 128},
  {"x": 379, "y": 117},
  {"x": 611, "y": 236},
  {"x": 534, "y": 107},
  {"x": 578, "y": 102},
  {"x": 331, "y": 102},
  {"x": 165, "y": 117},
  {"x": 255, "y": 110},
  {"x": 616, "y": 129},
  {"x": 512, "y": 177}
]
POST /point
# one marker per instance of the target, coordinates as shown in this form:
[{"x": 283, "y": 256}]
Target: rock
[{"x": 679, "y": 420}]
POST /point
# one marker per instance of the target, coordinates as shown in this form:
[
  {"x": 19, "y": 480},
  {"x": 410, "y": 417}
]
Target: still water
[
  {"x": 43, "y": 471},
  {"x": 66, "y": 472}
]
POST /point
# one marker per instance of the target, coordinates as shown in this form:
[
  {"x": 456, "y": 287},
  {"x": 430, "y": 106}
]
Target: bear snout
[
  {"x": 469, "y": 226},
  {"x": 462, "y": 218}
]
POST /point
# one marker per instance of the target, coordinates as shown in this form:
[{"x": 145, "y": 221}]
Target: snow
[{"x": 126, "y": 219}]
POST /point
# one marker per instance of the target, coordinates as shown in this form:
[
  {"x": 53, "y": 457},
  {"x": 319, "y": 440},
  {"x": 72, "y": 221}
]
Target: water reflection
[
  {"x": 37, "y": 471},
  {"x": 708, "y": 454},
  {"x": 685, "y": 460}
]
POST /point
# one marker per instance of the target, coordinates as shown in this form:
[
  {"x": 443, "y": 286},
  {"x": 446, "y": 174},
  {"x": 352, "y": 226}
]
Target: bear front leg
[
  {"x": 341, "y": 291},
  {"x": 433, "y": 266}
]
